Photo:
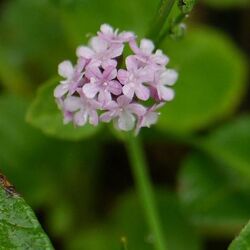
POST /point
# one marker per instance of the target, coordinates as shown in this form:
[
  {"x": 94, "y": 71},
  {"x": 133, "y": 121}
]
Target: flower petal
[
  {"x": 128, "y": 91},
  {"x": 142, "y": 92},
  {"x": 93, "y": 118},
  {"x": 122, "y": 76},
  {"x": 116, "y": 50},
  {"x": 106, "y": 29},
  {"x": 61, "y": 90},
  {"x": 123, "y": 101},
  {"x": 126, "y": 121},
  {"x": 131, "y": 63},
  {"x": 72, "y": 103},
  {"x": 165, "y": 93},
  {"x": 107, "y": 116},
  {"x": 115, "y": 87},
  {"x": 98, "y": 44},
  {"x": 90, "y": 90},
  {"x": 147, "y": 46},
  {"x": 80, "y": 118},
  {"x": 66, "y": 69},
  {"x": 137, "y": 109},
  {"x": 85, "y": 52},
  {"x": 168, "y": 77}
]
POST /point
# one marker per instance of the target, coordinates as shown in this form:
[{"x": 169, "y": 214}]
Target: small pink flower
[
  {"x": 123, "y": 111},
  {"x": 73, "y": 77},
  {"x": 100, "y": 51},
  {"x": 161, "y": 85},
  {"x": 102, "y": 83},
  {"x": 112, "y": 36},
  {"x": 97, "y": 83},
  {"x": 134, "y": 78},
  {"x": 149, "y": 118},
  {"x": 145, "y": 55},
  {"x": 83, "y": 109}
]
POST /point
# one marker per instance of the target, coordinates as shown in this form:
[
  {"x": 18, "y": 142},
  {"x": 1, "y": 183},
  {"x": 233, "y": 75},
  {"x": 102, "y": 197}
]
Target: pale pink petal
[
  {"x": 90, "y": 90},
  {"x": 80, "y": 118},
  {"x": 93, "y": 118},
  {"x": 106, "y": 117},
  {"x": 123, "y": 100},
  {"x": 93, "y": 71},
  {"x": 104, "y": 96},
  {"x": 85, "y": 52},
  {"x": 61, "y": 90},
  {"x": 142, "y": 92},
  {"x": 146, "y": 74},
  {"x": 107, "y": 29},
  {"x": 165, "y": 93},
  {"x": 126, "y": 121},
  {"x": 168, "y": 77},
  {"x": 109, "y": 63},
  {"x": 147, "y": 46},
  {"x": 149, "y": 119},
  {"x": 128, "y": 91},
  {"x": 66, "y": 69},
  {"x": 115, "y": 87},
  {"x": 115, "y": 51},
  {"x": 122, "y": 76},
  {"x": 127, "y": 36},
  {"x": 137, "y": 109},
  {"x": 109, "y": 73},
  {"x": 160, "y": 58},
  {"x": 98, "y": 44},
  {"x": 131, "y": 63},
  {"x": 134, "y": 47},
  {"x": 111, "y": 105},
  {"x": 72, "y": 103}
]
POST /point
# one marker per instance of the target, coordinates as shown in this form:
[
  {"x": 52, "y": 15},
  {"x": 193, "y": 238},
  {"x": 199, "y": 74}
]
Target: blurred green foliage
[{"x": 61, "y": 171}]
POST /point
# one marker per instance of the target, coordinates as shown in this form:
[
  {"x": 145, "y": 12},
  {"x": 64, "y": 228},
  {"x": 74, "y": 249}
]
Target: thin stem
[
  {"x": 169, "y": 29},
  {"x": 144, "y": 188},
  {"x": 160, "y": 18}
]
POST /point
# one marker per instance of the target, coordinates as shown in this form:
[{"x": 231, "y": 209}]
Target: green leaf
[
  {"x": 128, "y": 221},
  {"x": 227, "y": 3},
  {"x": 45, "y": 115},
  {"x": 230, "y": 144},
  {"x": 19, "y": 228},
  {"x": 242, "y": 242},
  {"x": 212, "y": 74},
  {"x": 83, "y": 18},
  {"x": 211, "y": 196}
]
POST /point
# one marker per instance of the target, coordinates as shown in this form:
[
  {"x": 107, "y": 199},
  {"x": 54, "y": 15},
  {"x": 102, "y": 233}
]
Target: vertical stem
[
  {"x": 160, "y": 18},
  {"x": 144, "y": 188}
]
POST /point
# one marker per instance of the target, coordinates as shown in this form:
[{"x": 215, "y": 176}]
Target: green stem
[
  {"x": 160, "y": 18},
  {"x": 144, "y": 188}
]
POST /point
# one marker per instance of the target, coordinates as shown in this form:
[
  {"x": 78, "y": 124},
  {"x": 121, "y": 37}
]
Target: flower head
[{"x": 97, "y": 89}]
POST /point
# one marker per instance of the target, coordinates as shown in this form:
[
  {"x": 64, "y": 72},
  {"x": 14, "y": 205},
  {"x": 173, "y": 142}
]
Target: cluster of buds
[{"x": 105, "y": 85}]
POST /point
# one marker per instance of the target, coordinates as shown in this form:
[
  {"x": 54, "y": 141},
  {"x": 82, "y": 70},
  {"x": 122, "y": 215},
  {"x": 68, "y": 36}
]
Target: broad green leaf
[
  {"x": 211, "y": 83},
  {"x": 19, "y": 228},
  {"x": 83, "y": 18},
  {"x": 128, "y": 221},
  {"x": 242, "y": 241},
  {"x": 227, "y": 3},
  {"x": 212, "y": 197},
  {"x": 230, "y": 144},
  {"x": 45, "y": 115}
]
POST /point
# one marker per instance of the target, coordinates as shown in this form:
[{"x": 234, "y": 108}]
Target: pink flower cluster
[{"x": 105, "y": 86}]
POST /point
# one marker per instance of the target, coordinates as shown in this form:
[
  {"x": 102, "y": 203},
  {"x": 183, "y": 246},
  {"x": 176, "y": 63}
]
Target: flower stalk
[
  {"x": 160, "y": 19},
  {"x": 144, "y": 188}
]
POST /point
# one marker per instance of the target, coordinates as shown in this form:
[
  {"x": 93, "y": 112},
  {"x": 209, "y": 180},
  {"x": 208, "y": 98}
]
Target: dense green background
[{"x": 78, "y": 181}]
